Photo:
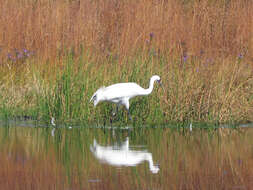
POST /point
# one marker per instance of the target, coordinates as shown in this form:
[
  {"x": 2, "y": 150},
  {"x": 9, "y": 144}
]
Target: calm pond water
[{"x": 142, "y": 158}]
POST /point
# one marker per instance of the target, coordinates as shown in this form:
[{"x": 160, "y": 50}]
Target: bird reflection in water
[{"x": 122, "y": 155}]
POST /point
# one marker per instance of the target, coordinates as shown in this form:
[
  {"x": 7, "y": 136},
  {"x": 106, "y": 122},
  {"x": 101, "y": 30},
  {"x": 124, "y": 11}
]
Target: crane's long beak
[{"x": 160, "y": 83}]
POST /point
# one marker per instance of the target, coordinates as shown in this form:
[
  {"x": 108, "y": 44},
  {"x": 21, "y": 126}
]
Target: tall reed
[
  {"x": 210, "y": 28},
  {"x": 56, "y": 54},
  {"x": 210, "y": 91}
]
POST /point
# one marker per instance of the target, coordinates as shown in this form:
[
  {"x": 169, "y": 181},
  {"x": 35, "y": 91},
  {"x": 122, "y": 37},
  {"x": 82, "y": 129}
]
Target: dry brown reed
[
  {"x": 207, "y": 27},
  {"x": 213, "y": 83}
]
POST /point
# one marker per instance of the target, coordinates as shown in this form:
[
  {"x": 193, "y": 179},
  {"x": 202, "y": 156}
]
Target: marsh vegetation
[{"x": 55, "y": 54}]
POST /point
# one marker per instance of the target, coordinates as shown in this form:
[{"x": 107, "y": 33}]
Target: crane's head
[
  {"x": 157, "y": 79},
  {"x": 96, "y": 97}
]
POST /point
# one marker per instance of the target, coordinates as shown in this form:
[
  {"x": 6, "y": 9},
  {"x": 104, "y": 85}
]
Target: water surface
[{"x": 142, "y": 158}]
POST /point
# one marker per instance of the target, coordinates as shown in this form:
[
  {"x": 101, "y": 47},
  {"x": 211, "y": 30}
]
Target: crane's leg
[
  {"x": 129, "y": 115},
  {"x": 126, "y": 103},
  {"x": 116, "y": 110}
]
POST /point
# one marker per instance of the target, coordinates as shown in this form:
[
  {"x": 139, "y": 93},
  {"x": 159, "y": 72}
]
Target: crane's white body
[
  {"x": 121, "y": 93},
  {"x": 122, "y": 155}
]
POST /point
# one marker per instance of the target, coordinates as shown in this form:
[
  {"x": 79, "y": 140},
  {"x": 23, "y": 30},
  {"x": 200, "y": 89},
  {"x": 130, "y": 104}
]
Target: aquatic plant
[
  {"x": 217, "y": 92},
  {"x": 197, "y": 59}
]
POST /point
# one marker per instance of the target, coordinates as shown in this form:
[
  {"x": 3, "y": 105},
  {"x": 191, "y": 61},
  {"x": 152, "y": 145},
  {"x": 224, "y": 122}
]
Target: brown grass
[
  {"x": 109, "y": 26},
  {"x": 213, "y": 84}
]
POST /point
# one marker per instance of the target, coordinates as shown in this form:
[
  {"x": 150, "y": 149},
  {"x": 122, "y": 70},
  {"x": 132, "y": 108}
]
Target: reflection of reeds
[
  {"x": 206, "y": 161},
  {"x": 32, "y": 159},
  {"x": 24, "y": 164}
]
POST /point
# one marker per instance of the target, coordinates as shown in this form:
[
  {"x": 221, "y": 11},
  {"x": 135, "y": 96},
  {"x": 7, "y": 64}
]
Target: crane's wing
[{"x": 122, "y": 90}]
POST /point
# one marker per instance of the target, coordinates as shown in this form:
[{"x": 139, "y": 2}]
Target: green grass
[{"x": 195, "y": 90}]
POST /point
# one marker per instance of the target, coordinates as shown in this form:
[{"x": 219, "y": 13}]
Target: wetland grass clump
[
  {"x": 216, "y": 92},
  {"x": 202, "y": 51},
  {"x": 67, "y": 96}
]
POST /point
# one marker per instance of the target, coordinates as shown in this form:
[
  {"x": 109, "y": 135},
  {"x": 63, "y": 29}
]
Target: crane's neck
[
  {"x": 152, "y": 167},
  {"x": 150, "y": 89}
]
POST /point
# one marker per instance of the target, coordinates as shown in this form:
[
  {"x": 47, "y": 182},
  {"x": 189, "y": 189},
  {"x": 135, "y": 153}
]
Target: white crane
[{"x": 121, "y": 93}]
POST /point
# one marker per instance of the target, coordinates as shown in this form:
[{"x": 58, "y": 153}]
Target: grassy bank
[
  {"x": 56, "y": 54},
  {"x": 210, "y": 91}
]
